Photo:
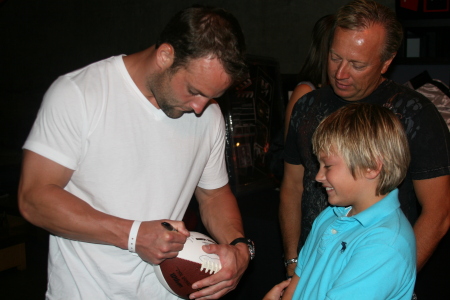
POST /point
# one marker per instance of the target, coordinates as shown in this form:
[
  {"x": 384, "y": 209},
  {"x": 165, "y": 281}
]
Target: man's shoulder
[
  {"x": 403, "y": 101},
  {"x": 94, "y": 67},
  {"x": 323, "y": 91},
  {"x": 84, "y": 83},
  {"x": 401, "y": 91},
  {"x": 315, "y": 97},
  {"x": 89, "y": 75}
]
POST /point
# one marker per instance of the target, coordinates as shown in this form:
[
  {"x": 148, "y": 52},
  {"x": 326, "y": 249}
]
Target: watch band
[
  {"x": 287, "y": 262},
  {"x": 239, "y": 240},
  {"x": 250, "y": 244}
]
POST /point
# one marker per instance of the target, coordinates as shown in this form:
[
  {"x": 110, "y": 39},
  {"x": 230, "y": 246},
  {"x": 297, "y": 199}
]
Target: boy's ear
[
  {"x": 164, "y": 56},
  {"x": 371, "y": 173}
]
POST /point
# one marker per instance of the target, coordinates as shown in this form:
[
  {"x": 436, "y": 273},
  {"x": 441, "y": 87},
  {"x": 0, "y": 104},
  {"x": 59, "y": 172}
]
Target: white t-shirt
[{"x": 130, "y": 160}]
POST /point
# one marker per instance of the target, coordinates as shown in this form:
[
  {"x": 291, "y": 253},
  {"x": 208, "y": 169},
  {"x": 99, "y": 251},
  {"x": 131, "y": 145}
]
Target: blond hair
[{"x": 367, "y": 136}]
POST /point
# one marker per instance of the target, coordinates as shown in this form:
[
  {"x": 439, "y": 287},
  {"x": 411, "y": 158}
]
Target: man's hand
[
  {"x": 234, "y": 260},
  {"x": 154, "y": 243}
]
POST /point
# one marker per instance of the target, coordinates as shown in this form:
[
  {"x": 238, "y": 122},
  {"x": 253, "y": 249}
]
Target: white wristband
[{"x": 132, "y": 237}]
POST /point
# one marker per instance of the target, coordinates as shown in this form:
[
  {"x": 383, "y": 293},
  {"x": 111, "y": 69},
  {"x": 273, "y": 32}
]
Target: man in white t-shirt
[{"x": 120, "y": 146}]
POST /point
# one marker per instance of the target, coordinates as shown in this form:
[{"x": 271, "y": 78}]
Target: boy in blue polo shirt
[{"x": 361, "y": 246}]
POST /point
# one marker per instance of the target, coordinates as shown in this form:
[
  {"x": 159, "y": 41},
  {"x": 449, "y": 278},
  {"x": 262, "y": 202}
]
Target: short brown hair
[
  {"x": 202, "y": 31},
  {"x": 366, "y": 135},
  {"x": 362, "y": 14}
]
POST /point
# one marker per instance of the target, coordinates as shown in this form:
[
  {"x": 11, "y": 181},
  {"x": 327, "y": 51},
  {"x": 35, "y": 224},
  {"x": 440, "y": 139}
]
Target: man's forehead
[
  {"x": 375, "y": 32},
  {"x": 206, "y": 76},
  {"x": 358, "y": 43}
]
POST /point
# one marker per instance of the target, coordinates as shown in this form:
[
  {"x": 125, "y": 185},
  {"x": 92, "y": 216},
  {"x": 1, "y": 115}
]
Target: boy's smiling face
[{"x": 342, "y": 188}]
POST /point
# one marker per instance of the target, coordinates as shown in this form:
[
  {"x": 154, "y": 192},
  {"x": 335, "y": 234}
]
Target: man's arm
[
  {"x": 434, "y": 221},
  {"x": 44, "y": 203},
  {"x": 221, "y": 216},
  {"x": 290, "y": 212},
  {"x": 299, "y": 91}
]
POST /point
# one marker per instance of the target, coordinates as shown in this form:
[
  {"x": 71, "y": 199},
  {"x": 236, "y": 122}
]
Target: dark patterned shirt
[{"x": 428, "y": 136}]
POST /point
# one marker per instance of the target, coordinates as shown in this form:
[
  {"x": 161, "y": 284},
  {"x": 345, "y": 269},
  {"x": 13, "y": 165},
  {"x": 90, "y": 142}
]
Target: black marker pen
[{"x": 168, "y": 226}]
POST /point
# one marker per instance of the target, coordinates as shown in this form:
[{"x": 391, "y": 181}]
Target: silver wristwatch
[{"x": 287, "y": 262}]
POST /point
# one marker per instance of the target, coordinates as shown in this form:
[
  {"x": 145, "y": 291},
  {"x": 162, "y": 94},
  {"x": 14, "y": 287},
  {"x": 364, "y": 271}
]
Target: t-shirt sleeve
[
  {"x": 215, "y": 174},
  {"x": 57, "y": 131},
  {"x": 429, "y": 144},
  {"x": 308, "y": 83}
]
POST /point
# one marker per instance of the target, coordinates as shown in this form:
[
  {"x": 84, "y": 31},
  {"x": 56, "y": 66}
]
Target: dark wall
[{"x": 42, "y": 39}]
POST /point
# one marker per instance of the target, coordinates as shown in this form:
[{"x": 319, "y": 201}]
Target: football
[{"x": 191, "y": 265}]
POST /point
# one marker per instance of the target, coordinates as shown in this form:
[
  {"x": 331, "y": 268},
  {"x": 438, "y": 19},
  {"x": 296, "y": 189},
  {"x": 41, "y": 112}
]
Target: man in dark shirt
[{"x": 365, "y": 41}]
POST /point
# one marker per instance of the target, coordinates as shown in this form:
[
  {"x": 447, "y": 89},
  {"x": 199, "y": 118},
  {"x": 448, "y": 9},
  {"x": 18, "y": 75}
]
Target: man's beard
[
  {"x": 159, "y": 88},
  {"x": 169, "y": 110}
]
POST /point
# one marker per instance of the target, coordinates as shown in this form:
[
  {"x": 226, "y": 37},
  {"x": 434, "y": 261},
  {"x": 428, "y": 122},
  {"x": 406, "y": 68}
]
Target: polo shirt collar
[{"x": 372, "y": 214}]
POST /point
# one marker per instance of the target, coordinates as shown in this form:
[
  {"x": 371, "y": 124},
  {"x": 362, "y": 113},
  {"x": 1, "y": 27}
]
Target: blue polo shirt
[{"x": 371, "y": 255}]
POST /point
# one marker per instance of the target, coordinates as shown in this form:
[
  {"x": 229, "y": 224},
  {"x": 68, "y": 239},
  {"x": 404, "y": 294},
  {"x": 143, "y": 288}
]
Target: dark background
[{"x": 42, "y": 39}]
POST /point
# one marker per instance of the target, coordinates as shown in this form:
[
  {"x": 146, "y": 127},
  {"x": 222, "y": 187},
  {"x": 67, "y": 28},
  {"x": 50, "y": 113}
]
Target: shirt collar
[{"x": 372, "y": 214}]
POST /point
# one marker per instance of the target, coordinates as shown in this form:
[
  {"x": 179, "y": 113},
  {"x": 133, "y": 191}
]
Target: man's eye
[{"x": 193, "y": 93}]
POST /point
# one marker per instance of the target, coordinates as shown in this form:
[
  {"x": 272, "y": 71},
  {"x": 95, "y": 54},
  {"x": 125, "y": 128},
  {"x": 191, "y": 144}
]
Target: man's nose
[
  {"x": 198, "y": 105},
  {"x": 342, "y": 71}
]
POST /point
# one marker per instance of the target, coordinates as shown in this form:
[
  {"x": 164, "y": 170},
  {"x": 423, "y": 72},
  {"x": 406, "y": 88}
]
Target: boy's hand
[{"x": 277, "y": 291}]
